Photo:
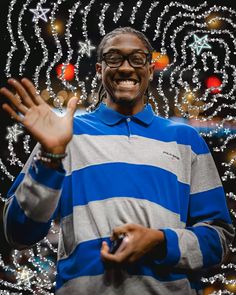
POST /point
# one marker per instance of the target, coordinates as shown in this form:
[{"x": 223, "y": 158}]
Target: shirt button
[{"x": 128, "y": 119}]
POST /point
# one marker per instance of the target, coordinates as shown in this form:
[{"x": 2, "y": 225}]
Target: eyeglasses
[{"x": 135, "y": 59}]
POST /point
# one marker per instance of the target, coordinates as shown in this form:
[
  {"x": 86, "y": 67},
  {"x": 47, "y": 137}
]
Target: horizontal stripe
[
  {"x": 119, "y": 180},
  {"x": 86, "y": 261},
  {"x": 46, "y": 176},
  {"x": 204, "y": 174},
  {"x": 190, "y": 254},
  {"x": 21, "y": 230},
  {"x": 37, "y": 201},
  {"x": 108, "y": 214},
  {"x": 128, "y": 285},
  {"x": 30, "y": 159},
  {"x": 172, "y": 248},
  {"x": 210, "y": 244},
  {"x": 95, "y": 150},
  {"x": 160, "y": 129},
  {"x": 225, "y": 232},
  {"x": 209, "y": 205}
]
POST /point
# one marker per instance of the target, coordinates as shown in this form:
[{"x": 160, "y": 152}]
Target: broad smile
[{"x": 126, "y": 83}]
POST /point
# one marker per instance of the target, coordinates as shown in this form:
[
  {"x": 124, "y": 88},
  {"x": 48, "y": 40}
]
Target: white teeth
[{"x": 126, "y": 82}]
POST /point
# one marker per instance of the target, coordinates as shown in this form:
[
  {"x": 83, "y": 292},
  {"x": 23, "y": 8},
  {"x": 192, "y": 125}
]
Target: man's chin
[{"x": 125, "y": 99}]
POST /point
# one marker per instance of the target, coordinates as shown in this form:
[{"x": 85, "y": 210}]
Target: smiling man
[{"x": 141, "y": 206}]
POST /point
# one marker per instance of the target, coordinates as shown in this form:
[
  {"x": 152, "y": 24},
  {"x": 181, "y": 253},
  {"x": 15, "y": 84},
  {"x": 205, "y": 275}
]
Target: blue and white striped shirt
[{"x": 139, "y": 169}]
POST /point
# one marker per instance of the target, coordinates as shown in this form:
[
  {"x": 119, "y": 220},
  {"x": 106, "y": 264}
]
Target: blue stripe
[
  {"x": 16, "y": 183},
  {"x": 24, "y": 230},
  {"x": 86, "y": 261},
  {"x": 47, "y": 176},
  {"x": 160, "y": 129},
  {"x": 172, "y": 248},
  {"x": 210, "y": 244},
  {"x": 208, "y": 205},
  {"x": 125, "y": 180}
]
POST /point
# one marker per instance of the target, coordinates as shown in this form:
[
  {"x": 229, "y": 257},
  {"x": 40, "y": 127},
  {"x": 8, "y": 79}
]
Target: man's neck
[{"x": 123, "y": 108}]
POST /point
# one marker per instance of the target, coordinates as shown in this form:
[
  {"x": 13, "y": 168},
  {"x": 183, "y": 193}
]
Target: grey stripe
[
  {"x": 190, "y": 253},
  {"x": 225, "y": 232},
  {"x": 204, "y": 174},
  {"x": 127, "y": 285},
  {"x": 98, "y": 219},
  {"x": 38, "y": 202},
  {"x": 92, "y": 150},
  {"x": 30, "y": 159}
]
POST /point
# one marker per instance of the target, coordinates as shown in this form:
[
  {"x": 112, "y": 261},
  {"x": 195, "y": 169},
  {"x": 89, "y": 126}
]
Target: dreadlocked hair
[{"x": 118, "y": 31}]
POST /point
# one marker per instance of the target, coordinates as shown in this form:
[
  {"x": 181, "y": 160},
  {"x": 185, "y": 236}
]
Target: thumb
[
  {"x": 71, "y": 106},
  {"x": 104, "y": 249}
]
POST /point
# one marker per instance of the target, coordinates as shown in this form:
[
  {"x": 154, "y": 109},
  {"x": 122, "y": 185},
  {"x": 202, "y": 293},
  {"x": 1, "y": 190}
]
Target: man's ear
[
  {"x": 151, "y": 71},
  {"x": 99, "y": 68}
]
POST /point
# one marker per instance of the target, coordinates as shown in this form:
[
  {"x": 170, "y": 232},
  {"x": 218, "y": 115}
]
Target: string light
[
  {"x": 134, "y": 11},
  {"x": 22, "y": 39},
  {"x": 102, "y": 18},
  {"x": 118, "y": 13}
]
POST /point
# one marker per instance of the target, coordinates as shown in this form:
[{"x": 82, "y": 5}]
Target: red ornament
[
  {"x": 213, "y": 81},
  {"x": 69, "y": 72}
]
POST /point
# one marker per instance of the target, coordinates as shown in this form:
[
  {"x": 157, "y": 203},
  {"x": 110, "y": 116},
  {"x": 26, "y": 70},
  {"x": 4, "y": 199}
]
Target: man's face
[{"x": 125, "y": 85}]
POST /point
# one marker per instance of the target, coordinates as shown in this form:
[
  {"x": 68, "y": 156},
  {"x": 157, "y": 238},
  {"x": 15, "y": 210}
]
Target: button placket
[{"x": 128, "y": 120}]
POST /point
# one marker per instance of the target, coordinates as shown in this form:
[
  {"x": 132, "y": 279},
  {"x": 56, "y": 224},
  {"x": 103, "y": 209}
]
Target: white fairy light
[
  {"x": 40, "y": 12},
  {"x": 26, "y": 144},
  {"x": 22, "y": 39},
  {"x": 44, "y": 48},
  {"x": 13, "y": 42},
  {"x": 148, "y": 14},
  {"x": 118, "y": 13},
  {"x": 70, "y": 50},
  {"x": 102, "y": 18},
  {"x": 58, "y": 54},
  {"x": 3, "y": 168},
  {"x": 85, "y": 48},
  {"x": 134, "y": 11}
]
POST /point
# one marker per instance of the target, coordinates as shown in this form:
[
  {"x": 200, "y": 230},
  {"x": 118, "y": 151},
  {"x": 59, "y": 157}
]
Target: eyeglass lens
[{"x": 114, "y": 59}]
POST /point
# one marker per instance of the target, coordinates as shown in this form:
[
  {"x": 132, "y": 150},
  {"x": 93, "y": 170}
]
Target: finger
[
  {"x": 12, "y": 113},
  {"x": 22, "y": 92},
  {"x": 32, "y": 91},
  {"x": 117, "y": 257},
  {"x": 105, "y": 248},
  {"x": 71, "y": 106},
  {"x": 14, "y": 99}
]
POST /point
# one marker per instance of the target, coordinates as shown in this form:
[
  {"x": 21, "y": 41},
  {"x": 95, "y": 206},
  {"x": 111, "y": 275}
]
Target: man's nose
[{"x": 125, "y": 66}]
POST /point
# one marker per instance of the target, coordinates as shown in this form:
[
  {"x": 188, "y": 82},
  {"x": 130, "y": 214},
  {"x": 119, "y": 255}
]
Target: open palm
[{"x": 51, "y": 131}]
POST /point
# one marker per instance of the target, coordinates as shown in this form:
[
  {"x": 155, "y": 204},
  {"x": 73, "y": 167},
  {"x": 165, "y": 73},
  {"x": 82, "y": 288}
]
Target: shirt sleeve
[
  {"x": 33, "y": 199},
  {"x": 205, "y": 240}
]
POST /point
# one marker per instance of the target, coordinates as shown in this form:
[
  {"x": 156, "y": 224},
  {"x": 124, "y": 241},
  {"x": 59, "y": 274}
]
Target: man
[{"x": 124, "y": 173}]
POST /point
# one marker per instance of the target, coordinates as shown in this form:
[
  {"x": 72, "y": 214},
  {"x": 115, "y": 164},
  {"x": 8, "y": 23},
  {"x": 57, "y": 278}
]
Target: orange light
[
  {"x": 160, "y": 60},
  {"x": 213, "y": 21}
]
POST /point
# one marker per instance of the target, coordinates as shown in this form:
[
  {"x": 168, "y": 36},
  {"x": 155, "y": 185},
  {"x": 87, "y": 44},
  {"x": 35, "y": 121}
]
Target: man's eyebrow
[{"x": 132, "y": 51}]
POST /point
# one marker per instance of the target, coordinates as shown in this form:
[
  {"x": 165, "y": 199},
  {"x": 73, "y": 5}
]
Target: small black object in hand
[{"x": 116, "y": 244}]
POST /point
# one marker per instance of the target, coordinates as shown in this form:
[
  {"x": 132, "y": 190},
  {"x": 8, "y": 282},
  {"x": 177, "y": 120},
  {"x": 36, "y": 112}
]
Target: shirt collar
[{"x": 111, "y": 117}]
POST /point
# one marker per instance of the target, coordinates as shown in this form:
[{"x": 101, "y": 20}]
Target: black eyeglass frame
[{"x": 126, "y": 57}]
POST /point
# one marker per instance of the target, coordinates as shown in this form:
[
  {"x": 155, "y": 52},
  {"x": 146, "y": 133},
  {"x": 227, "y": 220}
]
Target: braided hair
[{"x": 117, "y": 31}]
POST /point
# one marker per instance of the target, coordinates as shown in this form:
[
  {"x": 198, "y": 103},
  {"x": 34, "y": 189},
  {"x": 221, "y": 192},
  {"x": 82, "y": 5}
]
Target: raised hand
[{"x": 51, "y": 131}]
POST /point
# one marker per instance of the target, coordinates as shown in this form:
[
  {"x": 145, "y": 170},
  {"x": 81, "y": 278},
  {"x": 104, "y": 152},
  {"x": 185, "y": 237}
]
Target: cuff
[
  {"x": 172, "y": 248},
  {"x": 47, "y": 176}
]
